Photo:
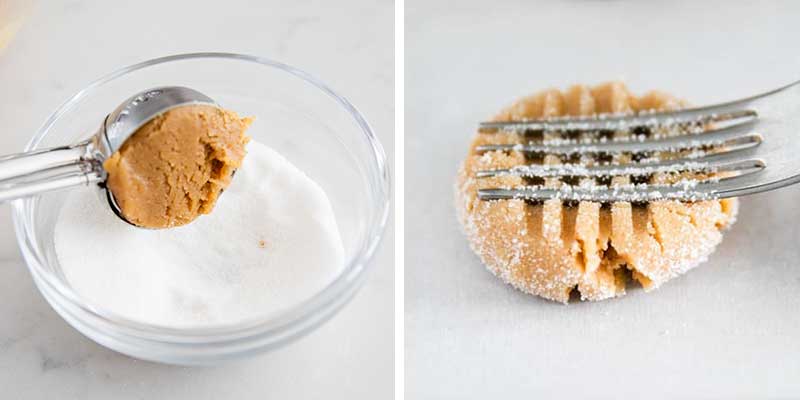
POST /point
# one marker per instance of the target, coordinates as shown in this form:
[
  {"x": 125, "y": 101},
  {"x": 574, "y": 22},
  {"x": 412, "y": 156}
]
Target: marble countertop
[
  {"x": 728, "y": 329},
  {"x": 66, "y": 44}
]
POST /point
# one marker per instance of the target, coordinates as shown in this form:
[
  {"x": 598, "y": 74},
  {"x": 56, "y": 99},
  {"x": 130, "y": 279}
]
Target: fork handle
[{"x": 27, "y": 174}]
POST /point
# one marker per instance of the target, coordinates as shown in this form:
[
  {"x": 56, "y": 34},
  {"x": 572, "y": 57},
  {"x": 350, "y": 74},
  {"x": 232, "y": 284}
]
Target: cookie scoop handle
[{"x": 31, "y": 173}]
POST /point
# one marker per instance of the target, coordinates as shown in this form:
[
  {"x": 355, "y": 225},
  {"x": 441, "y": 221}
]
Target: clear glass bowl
[{"x": 312, "y": 126}]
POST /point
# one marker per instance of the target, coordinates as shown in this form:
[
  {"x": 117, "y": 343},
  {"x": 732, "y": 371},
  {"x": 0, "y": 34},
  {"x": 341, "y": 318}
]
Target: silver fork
[{"x": 746, "y": 146}]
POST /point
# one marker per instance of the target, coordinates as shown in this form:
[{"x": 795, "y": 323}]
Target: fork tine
[
  {"x": 704, "y": 115},
  {"x": 709, "y": 164},
  {"x": 688, "y": 191},
  {"x": 603, "y": 194},
  {"x": 733, "y": 138}
]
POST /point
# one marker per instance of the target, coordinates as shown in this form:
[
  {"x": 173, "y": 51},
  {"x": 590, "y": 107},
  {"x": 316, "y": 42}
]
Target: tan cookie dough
[
  {"x": 550, "y": 249},
  {"x": 174, "y": 167}
]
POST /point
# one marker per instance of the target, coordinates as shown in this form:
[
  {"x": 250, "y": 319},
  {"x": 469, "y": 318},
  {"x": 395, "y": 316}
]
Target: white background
[
  {"x": 66, "y": 44},
  {"x": 729, "y": 329}
]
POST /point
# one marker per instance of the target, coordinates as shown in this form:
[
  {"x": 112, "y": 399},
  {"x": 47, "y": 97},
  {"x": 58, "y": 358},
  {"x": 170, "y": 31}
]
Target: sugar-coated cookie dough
[
  {"x": 551, "y": 249},
  {"x": 172, "y": 169}
]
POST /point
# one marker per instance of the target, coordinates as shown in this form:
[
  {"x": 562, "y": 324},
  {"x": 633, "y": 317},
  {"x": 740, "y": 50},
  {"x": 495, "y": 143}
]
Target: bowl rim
[{"x": 310, "y": 312}]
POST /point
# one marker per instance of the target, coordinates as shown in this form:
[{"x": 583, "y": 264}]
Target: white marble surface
[
  {"x": 66, "y": 44},
  {"x": 728, "y": 329}
]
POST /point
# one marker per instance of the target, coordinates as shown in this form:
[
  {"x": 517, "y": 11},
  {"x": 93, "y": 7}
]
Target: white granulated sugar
[{"x": 270, "y": 243}]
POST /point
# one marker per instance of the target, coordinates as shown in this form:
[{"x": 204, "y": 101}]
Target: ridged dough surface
[{"x": 552, "y": 249}]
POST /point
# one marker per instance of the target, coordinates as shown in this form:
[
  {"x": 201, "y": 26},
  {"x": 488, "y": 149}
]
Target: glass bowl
[{"x": 312, "y": 126}]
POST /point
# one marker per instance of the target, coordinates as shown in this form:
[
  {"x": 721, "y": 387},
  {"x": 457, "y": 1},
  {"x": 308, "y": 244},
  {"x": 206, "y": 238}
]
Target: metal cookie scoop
[{"x": 27, "y": 174}]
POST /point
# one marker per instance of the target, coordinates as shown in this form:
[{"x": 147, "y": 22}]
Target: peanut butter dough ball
[
  {"x": 174, "y": 167},
  {"x": 552, "y": 249}
]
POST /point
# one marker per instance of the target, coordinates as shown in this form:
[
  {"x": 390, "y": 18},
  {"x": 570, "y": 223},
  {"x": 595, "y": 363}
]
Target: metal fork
[{"x": 730, "y": 149}]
